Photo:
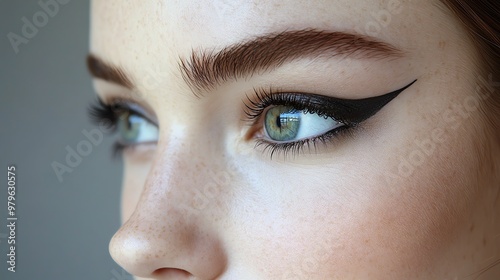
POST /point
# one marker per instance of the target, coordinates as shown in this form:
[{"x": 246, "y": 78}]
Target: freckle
[
  {"x": 442, "y": 45},
  {"x": 471, "y": 228},
  {"x": 484, "y": 241}
]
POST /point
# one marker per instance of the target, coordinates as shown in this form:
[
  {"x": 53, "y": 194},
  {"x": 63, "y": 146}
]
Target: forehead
[{"x": 145, "y": 35}]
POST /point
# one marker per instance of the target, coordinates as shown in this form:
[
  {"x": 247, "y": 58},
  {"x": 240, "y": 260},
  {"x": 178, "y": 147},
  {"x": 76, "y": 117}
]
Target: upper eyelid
[
  {"x": 112, "y": 93},
  {"x": 346, "y": 110},
  {"x": 134, "y": 107}
]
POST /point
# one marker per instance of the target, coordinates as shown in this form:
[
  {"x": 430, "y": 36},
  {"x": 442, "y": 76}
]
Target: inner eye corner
[{"x": 254, "y": 127}]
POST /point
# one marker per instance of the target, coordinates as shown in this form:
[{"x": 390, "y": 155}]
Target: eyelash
[
  {"x": 255, "y": 109},
  {"x": 108, "y": 114}
]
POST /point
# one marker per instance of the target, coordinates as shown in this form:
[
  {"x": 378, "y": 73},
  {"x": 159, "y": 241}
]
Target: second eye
[
  {"x": 286, "y": 124},
  {"x": 134, "y": 129}
]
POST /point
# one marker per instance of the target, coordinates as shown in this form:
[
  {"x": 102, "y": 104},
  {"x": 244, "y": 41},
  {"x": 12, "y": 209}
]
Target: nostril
[{"x": 171, "y": 273}]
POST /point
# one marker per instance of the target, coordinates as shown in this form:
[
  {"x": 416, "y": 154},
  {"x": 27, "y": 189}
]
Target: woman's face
[{"x": 235, "y": 170}]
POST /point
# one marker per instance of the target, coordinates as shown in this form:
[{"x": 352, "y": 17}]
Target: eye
[
  {"x": 134, "y": 129},
  {"x": 290, "y": 121},
  {"x": 286, "y": 124},
  {"x": 128, "y": 120}
]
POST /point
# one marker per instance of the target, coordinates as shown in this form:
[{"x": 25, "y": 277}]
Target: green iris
[
  {"x": 282, "y": 123},
  {"x": 129, "y": 127}
]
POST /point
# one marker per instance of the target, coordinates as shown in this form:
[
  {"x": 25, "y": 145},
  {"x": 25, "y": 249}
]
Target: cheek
[
  {"x": 399, "y": 227},
  {"x": 420, "y": 194},
  {"x": 418, "y": 207},
  {"x": 419, "y": 199}
]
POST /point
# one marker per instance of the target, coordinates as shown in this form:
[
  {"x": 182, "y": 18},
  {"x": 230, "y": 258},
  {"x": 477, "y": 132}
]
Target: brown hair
[{"x": 481, "y": 18}]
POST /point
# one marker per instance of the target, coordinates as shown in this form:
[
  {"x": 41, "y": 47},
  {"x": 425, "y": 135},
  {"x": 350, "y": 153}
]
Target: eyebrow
[
  {"x": 204, "y": 70},
  {"x": 111, "y": 73}
]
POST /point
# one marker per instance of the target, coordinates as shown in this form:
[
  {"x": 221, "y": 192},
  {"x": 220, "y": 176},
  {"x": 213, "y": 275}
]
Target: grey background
[{"x": 63, "y": 228}]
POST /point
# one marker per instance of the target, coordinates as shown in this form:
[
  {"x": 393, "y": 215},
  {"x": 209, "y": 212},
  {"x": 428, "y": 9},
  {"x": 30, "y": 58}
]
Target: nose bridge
[
  {"x": 190, "y": 177},
  {"x": 172, "y": 226},
  {"x": 186, "y": 187}
]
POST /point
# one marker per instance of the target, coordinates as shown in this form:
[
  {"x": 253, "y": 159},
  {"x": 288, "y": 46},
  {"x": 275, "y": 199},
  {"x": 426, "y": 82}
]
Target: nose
[{"x": 170, "y": 234}]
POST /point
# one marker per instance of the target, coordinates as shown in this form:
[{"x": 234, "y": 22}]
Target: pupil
[
  {"x": 129, "y": 121},
  {"x": 278, "y": 122}
]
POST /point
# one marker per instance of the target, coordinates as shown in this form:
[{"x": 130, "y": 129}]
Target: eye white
[
  {"x": 141, "y": 129},
  {"x": 148, "y": 132},
  {"x": 312, "y": 125}
]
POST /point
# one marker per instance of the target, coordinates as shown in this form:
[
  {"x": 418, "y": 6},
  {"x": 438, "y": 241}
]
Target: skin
[{"x": 205, "y": 203}]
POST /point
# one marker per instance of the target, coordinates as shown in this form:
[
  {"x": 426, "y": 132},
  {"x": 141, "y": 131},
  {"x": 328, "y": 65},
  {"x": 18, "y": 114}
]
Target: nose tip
[
  {"x": 153, "y": 249},
  {"x": 132, "y": 253},
  {"x": 141, "y": 258},
  {"x": 141, "y": 249},
  {"x": 169, "y": 235}
]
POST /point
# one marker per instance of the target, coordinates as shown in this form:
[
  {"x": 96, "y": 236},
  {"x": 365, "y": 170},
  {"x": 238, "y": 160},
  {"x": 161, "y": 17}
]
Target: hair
[{"x": 481, "y": 18}]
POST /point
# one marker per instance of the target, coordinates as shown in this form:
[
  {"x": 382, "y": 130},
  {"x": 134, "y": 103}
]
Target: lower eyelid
[
  {"x": 138, "y": 151},
  {"x": 312, "y": 145}
]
